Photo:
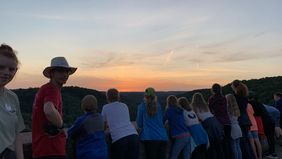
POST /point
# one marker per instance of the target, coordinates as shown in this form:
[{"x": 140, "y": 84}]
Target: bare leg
[
  {"x": 253, "y": 147},
  {"x": 258, "y": 146}
]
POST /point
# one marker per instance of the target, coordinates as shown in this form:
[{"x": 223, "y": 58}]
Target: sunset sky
[{"x": 130, "y": 44}]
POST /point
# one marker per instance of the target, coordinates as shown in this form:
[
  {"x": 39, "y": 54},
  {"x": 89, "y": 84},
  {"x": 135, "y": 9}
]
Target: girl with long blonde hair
[
  {"x": 212, "y": 126},
  {"x": 196, "y": 129},
  {"x": 234, "y": 112}
]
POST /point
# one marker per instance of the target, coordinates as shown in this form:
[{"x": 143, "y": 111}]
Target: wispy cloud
[
  {"x": 168, "y": 57},
  {"x": 244, "y": 56},
  {"x": 260, "y": 34}
]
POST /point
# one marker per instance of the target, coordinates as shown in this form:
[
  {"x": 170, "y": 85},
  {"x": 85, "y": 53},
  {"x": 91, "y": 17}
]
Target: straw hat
[{"x": 60, "y": 62}]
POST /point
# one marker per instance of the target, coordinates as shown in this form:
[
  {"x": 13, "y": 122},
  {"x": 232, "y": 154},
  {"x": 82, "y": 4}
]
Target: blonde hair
[
  {"x": 171, "y": 101},
  {"x": 184, "y": 103},
  {"x": 89, "y": 104},
  {"x": 199, "y": 104},
  {"x": 232, "y": 106}
]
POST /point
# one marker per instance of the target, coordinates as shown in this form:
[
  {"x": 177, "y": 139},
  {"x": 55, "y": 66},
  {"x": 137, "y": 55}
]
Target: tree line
[{"x": 264, "y": 88}]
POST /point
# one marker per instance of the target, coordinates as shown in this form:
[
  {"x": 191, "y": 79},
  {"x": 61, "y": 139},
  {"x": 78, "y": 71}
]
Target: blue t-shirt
[
  {"x": 152, "y": 127},
  {"x": 176, "y": 121},
  {"x": 274, "y": 114},
  {"x": 89, "y": 130}
]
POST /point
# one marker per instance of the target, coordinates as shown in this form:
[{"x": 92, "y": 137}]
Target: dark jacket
[
  {"x": 243, "y": 118},
  {"x": 218, "y": 106}
]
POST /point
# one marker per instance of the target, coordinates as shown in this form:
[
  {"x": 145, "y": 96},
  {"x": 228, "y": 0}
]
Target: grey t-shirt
[
  {"x": 11, "y": 121},
  {"x": 116, "y": 115}
]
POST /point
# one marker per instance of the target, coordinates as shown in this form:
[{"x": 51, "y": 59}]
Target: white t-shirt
[
  {"x": 190, "y": 118},
  {"x": 116, "y": 115}
]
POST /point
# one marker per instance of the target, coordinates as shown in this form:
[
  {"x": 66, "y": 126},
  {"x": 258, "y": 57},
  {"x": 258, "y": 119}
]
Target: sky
[{"x": 177, "y": 45}]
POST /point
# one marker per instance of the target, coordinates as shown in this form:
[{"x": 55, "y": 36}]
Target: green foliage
[{"x": 264, "y": 88}]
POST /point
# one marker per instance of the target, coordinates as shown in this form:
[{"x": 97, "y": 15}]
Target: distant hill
[{"x": 264, "y": 87}]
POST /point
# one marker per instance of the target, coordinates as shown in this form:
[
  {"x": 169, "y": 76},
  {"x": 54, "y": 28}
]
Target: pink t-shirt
[
  {"x": 42, "y": 144},
  {"x": 251, "y": 112}
]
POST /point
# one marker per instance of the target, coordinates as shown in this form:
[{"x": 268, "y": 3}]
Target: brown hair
[
  {"x": 199, "y": 104},
  {"x": 171, "y": 101},
  {"x": 8, "y": 51},
  {"x": 112, "y": 95},
  {"x": 278, "y": 94},
  {"x": 232, "y": 106},
  {"x": 216, "y": 89},
  {"x": 240, "y": 88},
  {"x": 89, "y": 104},
  {"x": 184, "y": 103}
]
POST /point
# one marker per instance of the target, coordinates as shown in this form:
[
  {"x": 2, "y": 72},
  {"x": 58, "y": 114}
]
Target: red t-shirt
[{"x": 42, "y": 144}]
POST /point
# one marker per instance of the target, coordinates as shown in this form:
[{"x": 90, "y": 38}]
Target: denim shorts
[{"x": 253, "y": 135}]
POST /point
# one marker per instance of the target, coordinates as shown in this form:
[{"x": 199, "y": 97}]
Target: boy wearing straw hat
[{"x": 48, "y": 139}]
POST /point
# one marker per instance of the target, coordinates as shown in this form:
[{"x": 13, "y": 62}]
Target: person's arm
[
  {"x": 74, "y": 129},
  {"x": 104, "y": 119},
  {"x": 20, "y": 127},
  {"x": 52, "y": 114},
  {"x": 19, "y": 146},
  {"x": 139, "y": 118}
]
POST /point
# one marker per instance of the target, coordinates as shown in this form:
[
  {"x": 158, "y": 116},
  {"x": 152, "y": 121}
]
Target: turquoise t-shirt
[{"x": 152, "y": 128}]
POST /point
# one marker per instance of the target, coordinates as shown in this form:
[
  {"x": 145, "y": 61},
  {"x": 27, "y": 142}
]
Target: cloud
[
  {"x": 259, "y": 34},
  {"x": 168, "y": 57},
  {"x": 104, "y": 59},
  {"x": 244, "y": 56}
]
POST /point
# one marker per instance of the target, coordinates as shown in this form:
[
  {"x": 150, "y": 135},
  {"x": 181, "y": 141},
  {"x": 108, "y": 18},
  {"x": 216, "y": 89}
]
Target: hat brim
[{"x": 46, "y": 71}]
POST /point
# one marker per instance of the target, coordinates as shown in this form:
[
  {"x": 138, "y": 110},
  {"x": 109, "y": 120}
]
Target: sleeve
[
  {"x": 51, "y": 95},
  {"x": 186, "y": 119},
  {"x": 139, "y": 118},
  {"x": 20, "y": 124},
  {"x": 74, "y": 129}
]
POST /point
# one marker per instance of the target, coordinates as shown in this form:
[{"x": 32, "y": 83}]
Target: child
[
  {"x": 236, "y": 133},
  {"x": 178, "y": 130},
  {"x": 196, "y": 129},
  {"x": 88, "y": 129},
  {"x": 150, "y": 120},
  {"x": 218, "y": 107},
  {"x": 212, "y": 126},
  {"x": 253, "y": 133},
  {"x": 11, "y": 121},
  {"x": 125, "y": 140}
]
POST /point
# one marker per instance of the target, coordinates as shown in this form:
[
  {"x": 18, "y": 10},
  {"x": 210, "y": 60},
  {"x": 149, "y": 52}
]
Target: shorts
[{"x": 253, "y": 135}]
